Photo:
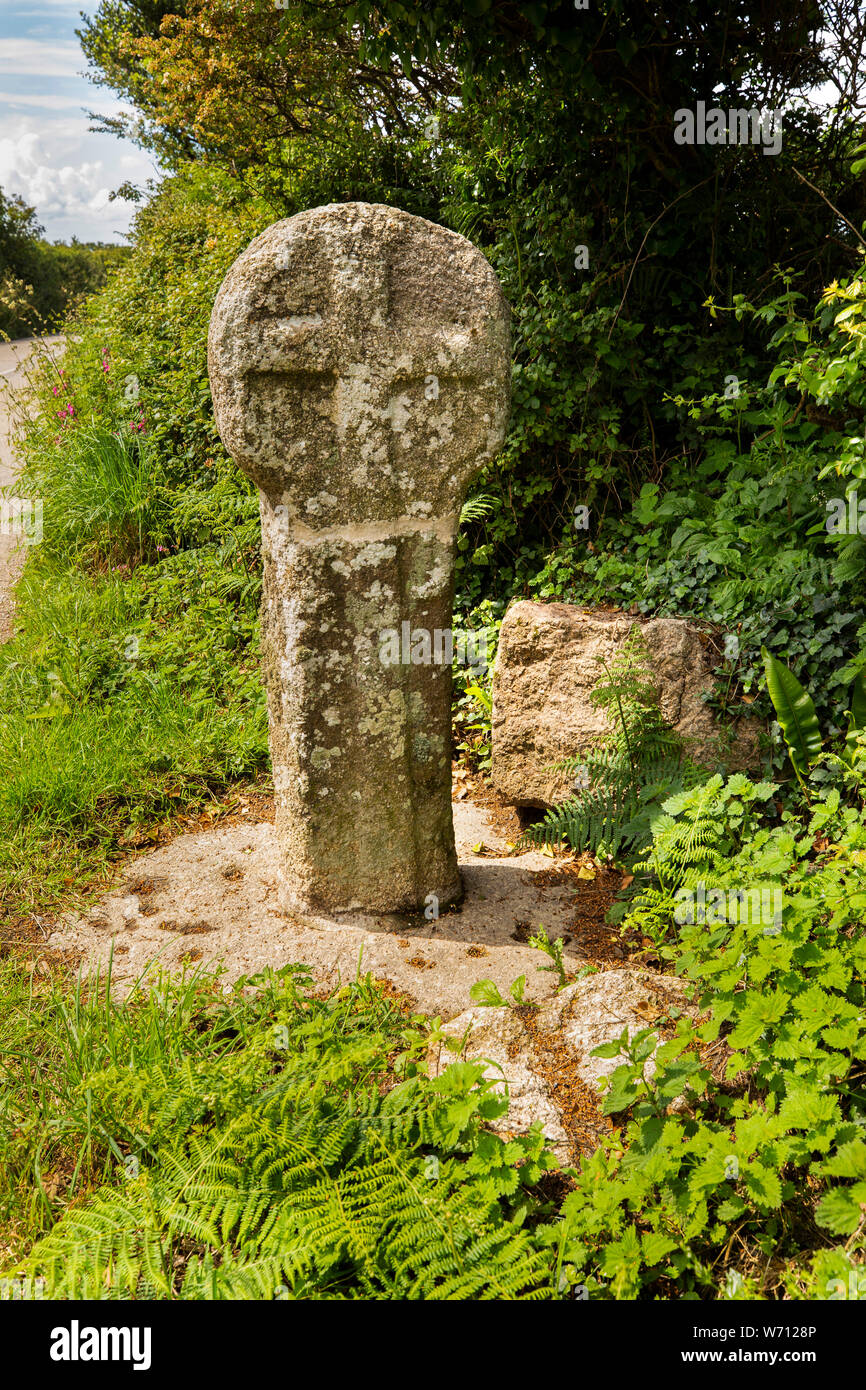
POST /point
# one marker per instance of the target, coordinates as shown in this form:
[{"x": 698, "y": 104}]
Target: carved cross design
[{"x": 359, "y": 364}]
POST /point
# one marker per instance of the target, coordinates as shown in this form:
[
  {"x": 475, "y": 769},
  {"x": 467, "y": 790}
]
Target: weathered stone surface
[
  {"x": 581, "y": 1017},
  {"x": 546, "y": 669},
  {"x": 212, "y": 897},
  {"x": 595, "y": 1011},
  {"x": 498, "y": 1037},
  {"x": 359, "y": 363}
]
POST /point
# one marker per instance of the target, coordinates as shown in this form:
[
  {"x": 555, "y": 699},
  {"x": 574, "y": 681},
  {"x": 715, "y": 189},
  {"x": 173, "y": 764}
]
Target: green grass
[
  {"x": 131, "y": 694},
  {"x": 124, "y": 701},
  {"x": 194, "y": 1143},
  {"x": 106, "y": 502}
]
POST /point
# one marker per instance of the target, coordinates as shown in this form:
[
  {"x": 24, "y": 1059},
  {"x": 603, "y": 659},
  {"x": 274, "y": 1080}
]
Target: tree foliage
[{"x": 39, "y": 282}]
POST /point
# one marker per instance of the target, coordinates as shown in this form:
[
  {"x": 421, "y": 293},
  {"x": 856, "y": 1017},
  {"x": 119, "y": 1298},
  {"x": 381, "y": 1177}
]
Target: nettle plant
[
  {"x": 772, "y": 1135},
  {"x": 748, "y": 1120}
]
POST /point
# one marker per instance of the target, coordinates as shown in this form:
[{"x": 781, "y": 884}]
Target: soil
[{"x": 209, "y": 896}]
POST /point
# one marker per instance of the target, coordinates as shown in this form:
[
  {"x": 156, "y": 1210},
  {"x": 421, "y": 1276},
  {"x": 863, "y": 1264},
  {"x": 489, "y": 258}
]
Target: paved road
[{"x": 13, "y": 384}]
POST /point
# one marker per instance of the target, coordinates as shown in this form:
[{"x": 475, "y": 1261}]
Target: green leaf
[
  {"x": 483, "y": 697},
  {"x": 849, "y": 1161},
  {"x": 757, "y": 1011},
  {"x": 731, "y": 1208},
  {"x": 858, "y": 701},
  {"x": 656, "y": 1246},
  {"x": 626, "y": 48},
  {"x": 762, "y": 1185},
  {"x": 806, "y": 1107},
  {"x": 796, "y": 713},
  {"x": 486, "y": 992},
  {"x": 858, "y": 711},
  {"x": 839, "y": 1210},
  {"x": 621, "y": 1262}
]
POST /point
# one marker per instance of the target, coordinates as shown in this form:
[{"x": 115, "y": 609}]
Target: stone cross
[{"x": 359, "y": 364}]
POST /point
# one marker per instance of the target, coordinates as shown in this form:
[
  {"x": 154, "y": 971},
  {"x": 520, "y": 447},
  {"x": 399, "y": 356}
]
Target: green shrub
[{"x": 767, "y": 1146}]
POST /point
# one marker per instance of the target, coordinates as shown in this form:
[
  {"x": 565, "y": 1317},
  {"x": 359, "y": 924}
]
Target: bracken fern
[
  {"x": 624, "y": 779},
  {"x": 296, "y": 1164}
]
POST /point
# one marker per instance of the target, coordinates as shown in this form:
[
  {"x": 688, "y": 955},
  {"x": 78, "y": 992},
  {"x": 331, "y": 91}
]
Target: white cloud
[
  {"x": 48, "y": 154},
  {"x": 48, "y": 101},
  {"x": 67, "y": 173},
  {"x": 32, "y": 58}
]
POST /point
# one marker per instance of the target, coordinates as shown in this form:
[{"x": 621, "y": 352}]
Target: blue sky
[{"x": 47, "y": 153}]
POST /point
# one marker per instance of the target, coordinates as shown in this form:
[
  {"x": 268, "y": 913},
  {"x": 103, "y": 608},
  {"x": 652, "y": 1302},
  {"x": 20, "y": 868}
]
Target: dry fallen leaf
[
  {"x": 648, "y": 1011},
  {"x": 585, "y": 872}
]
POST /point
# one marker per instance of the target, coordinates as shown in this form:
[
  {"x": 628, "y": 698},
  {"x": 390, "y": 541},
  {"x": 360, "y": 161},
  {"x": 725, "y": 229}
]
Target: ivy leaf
[{"x": 626, "y": 48}]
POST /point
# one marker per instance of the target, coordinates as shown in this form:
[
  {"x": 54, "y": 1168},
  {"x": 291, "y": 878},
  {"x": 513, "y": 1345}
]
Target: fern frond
[
  {"x": 297, "y": 1175},
  {"x": 624, "y": 780}
]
